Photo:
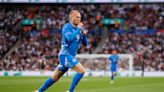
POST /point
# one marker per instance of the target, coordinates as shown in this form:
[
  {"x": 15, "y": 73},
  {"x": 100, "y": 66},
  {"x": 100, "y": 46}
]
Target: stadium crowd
[
  {"x": 10, "y": 18},
  {"x": 7, "y": 41},
  {"x": 31, "y": 52},
  {"x": 136, "y": 16},
  {"x": 43, "y": 43}
]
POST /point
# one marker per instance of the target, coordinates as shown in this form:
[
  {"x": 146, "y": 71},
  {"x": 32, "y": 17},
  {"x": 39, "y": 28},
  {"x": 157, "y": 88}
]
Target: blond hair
[{"x": 72, "y": 12}]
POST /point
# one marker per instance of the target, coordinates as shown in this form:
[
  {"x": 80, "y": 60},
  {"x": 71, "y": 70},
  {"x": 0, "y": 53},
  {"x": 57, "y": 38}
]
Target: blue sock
[
  {"x": 46, "y": 84},
  {"x": 112, "y": 77},
  {"x": 75, "y": 81}
]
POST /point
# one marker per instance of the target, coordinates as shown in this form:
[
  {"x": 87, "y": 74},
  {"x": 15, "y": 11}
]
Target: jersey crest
[{"x": 78, "y": 37}]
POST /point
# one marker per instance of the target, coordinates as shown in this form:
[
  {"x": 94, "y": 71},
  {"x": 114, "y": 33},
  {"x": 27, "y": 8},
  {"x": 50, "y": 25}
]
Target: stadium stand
[{"x": 42, "y": 41}]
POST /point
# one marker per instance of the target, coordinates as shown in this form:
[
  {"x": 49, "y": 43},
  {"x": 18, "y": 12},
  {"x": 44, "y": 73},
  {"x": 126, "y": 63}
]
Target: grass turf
[{"x": 88, "y": 84}]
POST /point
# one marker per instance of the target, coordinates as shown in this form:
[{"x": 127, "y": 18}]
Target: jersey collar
[{"x": 72, "y": 25}]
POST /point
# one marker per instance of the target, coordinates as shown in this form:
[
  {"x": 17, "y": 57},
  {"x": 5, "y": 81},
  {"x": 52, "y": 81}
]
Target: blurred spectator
[{"x": 7, "y": 41}]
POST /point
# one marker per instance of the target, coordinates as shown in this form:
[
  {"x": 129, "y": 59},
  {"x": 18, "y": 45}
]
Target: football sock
[
  {"x": 75, "y": 81},
  {"x": 46, "y": 84},
  {"x": 112, "y": 77}
]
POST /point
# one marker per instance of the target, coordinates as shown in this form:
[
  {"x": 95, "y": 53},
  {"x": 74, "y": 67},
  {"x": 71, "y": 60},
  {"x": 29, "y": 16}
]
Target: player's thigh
[
  {"x": 73, "y": 63},
  {"x": 79, "y": 68}
]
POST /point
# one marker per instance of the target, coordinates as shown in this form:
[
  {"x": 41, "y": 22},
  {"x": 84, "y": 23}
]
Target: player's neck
[{"x": 73, "y": 24}]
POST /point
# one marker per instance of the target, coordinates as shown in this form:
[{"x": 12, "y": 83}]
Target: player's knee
[
  {"x": 115, "y": 74},
  {"x": 82, "y": 71},
  {"x": 55, "y": 78}
]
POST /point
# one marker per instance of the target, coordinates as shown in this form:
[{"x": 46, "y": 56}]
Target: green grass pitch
[{"x": 88, "y": 84}]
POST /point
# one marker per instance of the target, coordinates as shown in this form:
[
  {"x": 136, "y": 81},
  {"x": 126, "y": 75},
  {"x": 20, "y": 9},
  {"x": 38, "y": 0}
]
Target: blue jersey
[
  {"x": 114, "y": 60},
  {"x": 71, "y": 38}
]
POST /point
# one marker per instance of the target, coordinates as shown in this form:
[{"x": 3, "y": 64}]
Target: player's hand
[{"x": 84, "y": 31}]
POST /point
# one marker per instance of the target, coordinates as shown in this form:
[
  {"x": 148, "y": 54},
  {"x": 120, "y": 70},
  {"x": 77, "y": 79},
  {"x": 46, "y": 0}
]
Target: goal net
[{"x": 98, "y": 65}]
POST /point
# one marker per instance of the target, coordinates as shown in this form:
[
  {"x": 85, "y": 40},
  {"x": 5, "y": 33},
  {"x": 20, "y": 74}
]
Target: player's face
[{"x": 76, "y": 18}]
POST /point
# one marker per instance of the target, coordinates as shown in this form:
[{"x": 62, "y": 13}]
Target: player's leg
[
  {"x": 112, "y": 76},
  {"x": 114, "y": 73},
  {"x": 80, "y": 72},
  {"x": 76, "y": 66},
  {"x": 59, "y": 71},
  {"x": 54, "y": 78}
]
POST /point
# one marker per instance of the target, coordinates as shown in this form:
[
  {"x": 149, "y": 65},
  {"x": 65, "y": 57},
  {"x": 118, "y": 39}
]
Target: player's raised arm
[
  {"x": 84, "y": 40},
  {"x": 84, "y": 37}
]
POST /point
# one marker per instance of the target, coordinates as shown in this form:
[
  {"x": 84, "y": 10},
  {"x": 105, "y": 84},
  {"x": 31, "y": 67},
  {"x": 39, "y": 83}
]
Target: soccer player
[
  {"x": 72, "y": 34},
  {"x": 113, "y": 60}
]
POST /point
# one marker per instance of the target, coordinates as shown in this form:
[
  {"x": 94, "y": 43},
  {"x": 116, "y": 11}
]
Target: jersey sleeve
[{"x": 68, "y": 34}]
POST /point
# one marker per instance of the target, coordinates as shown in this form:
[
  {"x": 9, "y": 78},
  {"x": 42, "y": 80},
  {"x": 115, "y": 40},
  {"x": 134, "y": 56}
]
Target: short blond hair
[{"x": 72, "y": 12}]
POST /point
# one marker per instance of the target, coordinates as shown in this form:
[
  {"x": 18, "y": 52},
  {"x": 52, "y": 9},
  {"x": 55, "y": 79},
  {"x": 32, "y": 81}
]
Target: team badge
[{"x": 77, "y": 37}]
